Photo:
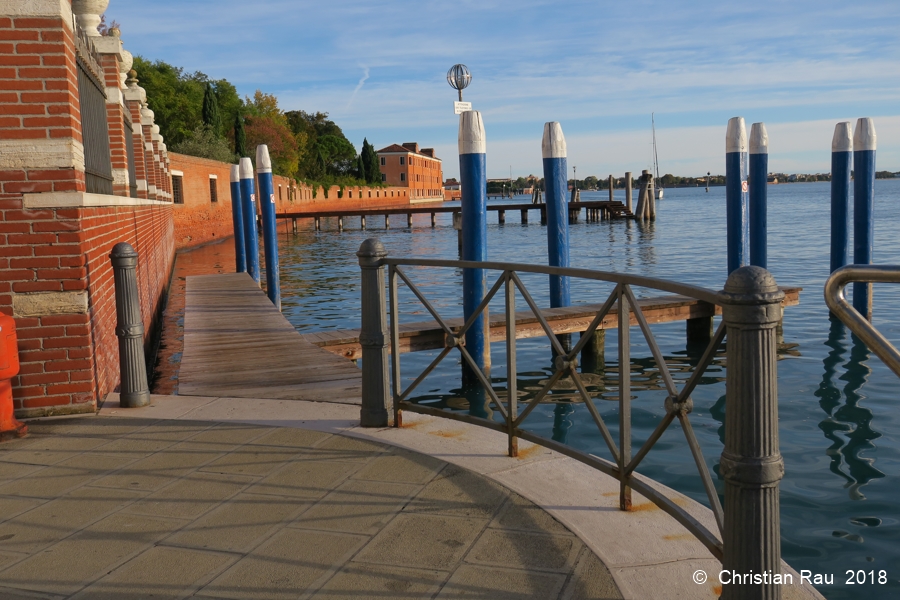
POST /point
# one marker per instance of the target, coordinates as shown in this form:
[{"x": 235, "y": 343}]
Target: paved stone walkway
[{"x": 125, "y": 508}]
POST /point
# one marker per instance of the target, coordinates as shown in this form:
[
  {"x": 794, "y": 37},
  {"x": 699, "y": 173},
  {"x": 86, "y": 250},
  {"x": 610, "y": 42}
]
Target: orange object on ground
[{"x": 10, "y": 428}]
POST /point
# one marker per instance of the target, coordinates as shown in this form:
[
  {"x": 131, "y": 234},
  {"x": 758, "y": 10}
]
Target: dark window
[
  {"x": 213, "y": 195},
  {"x": 383, "y": 177},
  {"x": 402, "y": 176},
  {"x": 382, "y": 161},
  {"x": 177, "y": 190},
  {"x": 402, "y": 160}
]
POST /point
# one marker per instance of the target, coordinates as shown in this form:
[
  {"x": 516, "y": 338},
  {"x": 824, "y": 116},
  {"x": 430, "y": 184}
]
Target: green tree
[
  {"x": 176, "y": 97},
  {"x": 203, "y": 142},
  {"x": 280, "y": 140},
  {"x": 370, "y": 160},
  {"x": 360, "y": 168},
  {"x": 240, "y": 137},
  {"x": 210, "y": 112}
]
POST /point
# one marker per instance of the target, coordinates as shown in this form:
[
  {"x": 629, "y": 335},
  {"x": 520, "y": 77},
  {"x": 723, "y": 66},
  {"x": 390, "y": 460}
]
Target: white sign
[{"x": 461, "y": 107}]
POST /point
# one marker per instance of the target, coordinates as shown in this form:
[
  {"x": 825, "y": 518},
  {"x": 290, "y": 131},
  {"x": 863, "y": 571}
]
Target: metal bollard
[
  {"x": 376, "y": 398},
  {"x": 751, "y": 463},
  {"x": 134, "y": 390}
]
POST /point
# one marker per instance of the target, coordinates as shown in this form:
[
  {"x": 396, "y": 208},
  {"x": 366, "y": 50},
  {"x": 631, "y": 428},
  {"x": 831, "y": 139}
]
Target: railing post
[
  {"x": 376, "y": 399},
  {"x": 134, "y": 390},
  {"x": 751, "y": 463}
]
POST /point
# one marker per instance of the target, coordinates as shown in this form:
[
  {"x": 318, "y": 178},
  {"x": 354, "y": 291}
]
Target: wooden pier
[
  {"x": 238, "y": 345},
  {"x": 428, "y": 335},
  {"x": 594, "y": 211}
]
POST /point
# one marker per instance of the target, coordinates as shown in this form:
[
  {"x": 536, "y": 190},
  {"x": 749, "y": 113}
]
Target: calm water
[{"x": 840, "y": 429}]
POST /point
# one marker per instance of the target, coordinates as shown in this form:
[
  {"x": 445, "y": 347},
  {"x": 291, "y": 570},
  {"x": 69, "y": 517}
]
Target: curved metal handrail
[
  {"x": 683, "y": 289},
  {"x": 678, "y": 403},
  {"x": 859, "y": 325}
]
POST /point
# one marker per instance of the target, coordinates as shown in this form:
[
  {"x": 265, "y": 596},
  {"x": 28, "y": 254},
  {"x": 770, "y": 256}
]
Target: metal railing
[
  {"x": 858, "y": 324},
  {"x": 750, "y": 464}
]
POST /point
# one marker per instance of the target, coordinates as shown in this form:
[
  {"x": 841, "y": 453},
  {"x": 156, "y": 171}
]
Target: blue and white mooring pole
[
  {"x": 863, "y": 209},
  {"x": 237, "y": 219},
  {"x": 553, "y": 151},
  {"x": 736, "y": 193},
  {"x": 759, "y": 169},
  {"x": 841, "y": 164},
  {"x": 270, "y": 231},
  {"x": 248, "y": 206},
  {"x": 473, "y": 175}
]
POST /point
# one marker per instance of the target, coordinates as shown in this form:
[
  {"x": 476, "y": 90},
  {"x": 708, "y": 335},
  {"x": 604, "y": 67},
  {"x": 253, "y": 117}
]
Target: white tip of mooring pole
[
  {"x": 471, "y": 133},
  {"x": 553, "y": 144},
  {"x": 263, "y": 162},
  {"x": 235, "y": 173},
  {"x": 759, "y": 139},
  {"x": 864, "y": 136},
  {"x": 843, "y": 138},
  {"x": 246, "y": 168},
  {"x": 736, "y": 135}
]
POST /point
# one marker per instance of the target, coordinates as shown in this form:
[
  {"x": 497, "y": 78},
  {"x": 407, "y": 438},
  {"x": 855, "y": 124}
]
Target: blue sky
[{"x": 378, "y": 68}]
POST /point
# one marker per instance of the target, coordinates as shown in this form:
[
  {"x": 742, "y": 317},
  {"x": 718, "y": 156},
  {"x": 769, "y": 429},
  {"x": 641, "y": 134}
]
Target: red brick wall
[
  {"x": 39, "y": 98},
  {"x": 68, "y": 361},
  {"x": 199, "y": 221}
]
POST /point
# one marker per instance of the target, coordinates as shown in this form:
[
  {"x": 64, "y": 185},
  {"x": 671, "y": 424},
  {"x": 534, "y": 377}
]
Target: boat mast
[{"x": 655, "y": 157}]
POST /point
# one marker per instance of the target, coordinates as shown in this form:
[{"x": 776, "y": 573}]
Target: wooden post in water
[
  {"x": 373, "y": 335},
  {"x": 340, "y": 223},
  {"x": 473, "y": 202},
  {"x": 362, "y": 222},
  {"x": 501, "y": 216},
  {"x": 841, "y": 164},
  {"x": 628, "y": 191},
  {"x": 524, "y": 212},
  {"x": 736, "y": 193},
  {"x": 409, "y": 220},
  {"x": 651, "y": 198},
  {"x": 317, "y": 223},
  {"x": 248, "y": 204},
  {"x": 433, "y": 220},
  {"x": 863, "y": 209},
  {"x": 294, "y": 225},
  {"x": 612, "y": 187},
  {"x": 240, "y": 248},
  {"x": 270, "y": 226},
  {"x": 759, "y": 168},
  {"x": 553, "y": 149},
  {"x": 387, "y": 221}
]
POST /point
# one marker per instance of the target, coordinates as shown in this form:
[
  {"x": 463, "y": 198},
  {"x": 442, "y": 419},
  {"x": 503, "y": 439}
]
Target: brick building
[{"x": 418, "y": 169}]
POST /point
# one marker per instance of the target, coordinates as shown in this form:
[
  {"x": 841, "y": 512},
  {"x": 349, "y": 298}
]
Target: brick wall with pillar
[{"x": 55, "y": 234}]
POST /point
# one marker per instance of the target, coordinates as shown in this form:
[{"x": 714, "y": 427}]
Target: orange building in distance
[{"x": 418, "y": 169}]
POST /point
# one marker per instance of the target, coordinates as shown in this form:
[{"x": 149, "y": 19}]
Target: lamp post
[{"x": 459, "y": 78}]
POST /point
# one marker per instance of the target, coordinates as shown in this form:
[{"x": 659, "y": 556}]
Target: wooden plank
[
  {"x": 427, "y": 335},
  {"x": 237, "y": 344}
]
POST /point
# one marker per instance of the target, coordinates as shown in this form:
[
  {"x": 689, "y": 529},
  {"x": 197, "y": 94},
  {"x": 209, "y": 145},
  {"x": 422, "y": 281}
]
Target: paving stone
[
  {"x": 290, "y": 563},
  {"x": 41, "y": 450},
  {"x": 306, "y": 479},
  {"x": 160, "y": 572},
  {"x": 58, "y": 519},
  {"x": 401, "y": 467},
  {"x": 424, "y": 541},
  {"x": 52, "y": 482},
  {"x": 156, "y": 470},
  {"x": 10, "y": 506},
  {"x": 591, "y": 580},
  {"x": 11, "y": 594},
  {"x": 10, "y": 471},
  {"x": 357, "y": 506},
  {"x": 191, "y": 496},
  {"x": 293, "y": 438},
  {"x": 518, "y": 549},
  {"x": 486, "y": 583},
  {"x": 155, "y": 438},
  {"x": 251, "y": 460},
  {"x": 356, "y": 580},
  {"x": 110, "y": 428},
  {"x": 456, "y": 491},
  {"x": 519, "y": 513},
  {"x": 340, "y": 447},
  {"x": 237, "y": 525},
  {"x": 231, "y": 434},
  {"x": 69, "y": 565}
]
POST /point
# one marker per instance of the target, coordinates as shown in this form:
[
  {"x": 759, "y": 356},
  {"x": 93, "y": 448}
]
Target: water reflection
[{"x": 848, "y": 425}]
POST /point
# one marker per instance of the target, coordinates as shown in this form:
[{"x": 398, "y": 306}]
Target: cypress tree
[
  {"x": 370, "y": 159},
  {"x": 360, "y": 168},
  {"x": 240, "y": 138},
  {"x": 211, "y": 116}
]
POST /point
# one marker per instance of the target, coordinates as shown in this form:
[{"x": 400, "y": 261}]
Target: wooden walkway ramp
[{"x": 237, "y": 344}]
